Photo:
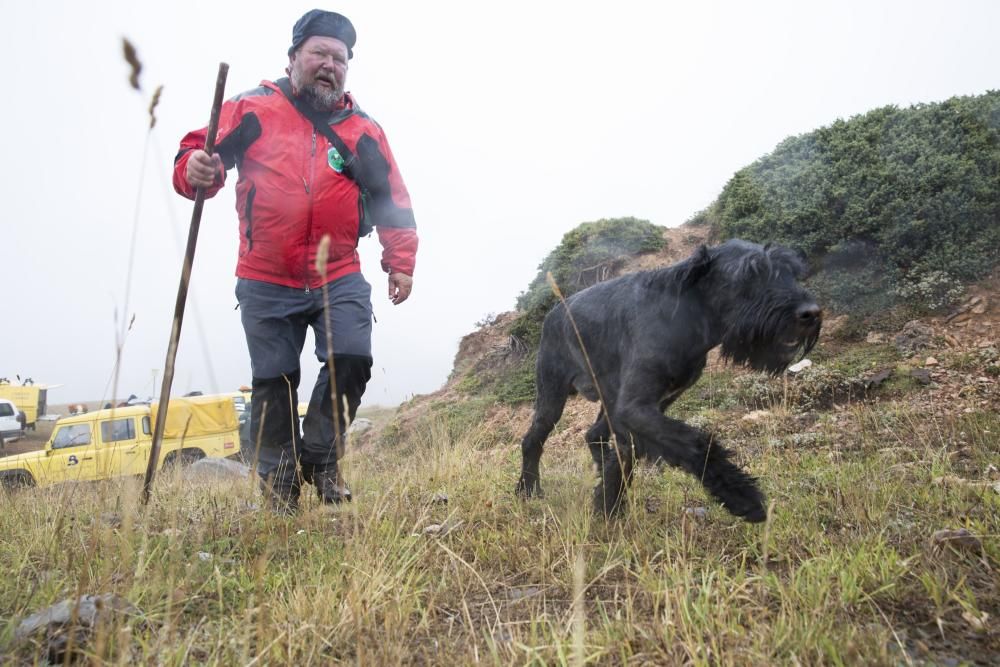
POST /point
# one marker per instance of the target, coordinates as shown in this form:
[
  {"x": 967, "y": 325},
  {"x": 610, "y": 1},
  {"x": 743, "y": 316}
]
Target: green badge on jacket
[{"x": 334, "y": 159}]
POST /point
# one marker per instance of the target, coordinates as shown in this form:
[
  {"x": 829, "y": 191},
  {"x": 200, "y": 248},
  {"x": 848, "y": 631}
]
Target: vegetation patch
[
  {"x": 587, "y": 255},
  {"x": 436, "y": 561},
  {"x": 896, "y": 204},
  {"x": 590, "y": 253}
]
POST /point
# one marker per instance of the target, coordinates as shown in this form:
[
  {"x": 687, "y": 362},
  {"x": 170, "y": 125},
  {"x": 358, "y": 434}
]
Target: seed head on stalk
[{"x": 132, "y": 58}]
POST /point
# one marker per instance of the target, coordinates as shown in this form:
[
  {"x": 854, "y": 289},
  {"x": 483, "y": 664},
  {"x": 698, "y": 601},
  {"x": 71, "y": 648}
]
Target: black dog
[{"x": 645, "y": 338}]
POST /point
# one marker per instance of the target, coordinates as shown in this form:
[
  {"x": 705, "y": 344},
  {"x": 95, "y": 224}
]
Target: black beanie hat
[{"x": 319, "y": 23}]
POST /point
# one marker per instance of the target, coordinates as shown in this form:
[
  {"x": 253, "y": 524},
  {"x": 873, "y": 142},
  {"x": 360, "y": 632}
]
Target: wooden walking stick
[{"x": 182, "y": 289}]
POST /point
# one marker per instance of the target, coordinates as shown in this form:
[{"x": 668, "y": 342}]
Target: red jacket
[{"x": 288, "y": 195}]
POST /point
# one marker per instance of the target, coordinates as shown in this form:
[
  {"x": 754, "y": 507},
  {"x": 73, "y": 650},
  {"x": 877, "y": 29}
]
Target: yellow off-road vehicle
[{"x": 117, "y": 441}]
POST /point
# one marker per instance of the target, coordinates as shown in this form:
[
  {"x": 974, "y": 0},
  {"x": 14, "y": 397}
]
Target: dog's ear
[
  {"x": 695, "y": 267},
  {"x": 747, "y": 263},
  {"x": 792, "y": 261}
]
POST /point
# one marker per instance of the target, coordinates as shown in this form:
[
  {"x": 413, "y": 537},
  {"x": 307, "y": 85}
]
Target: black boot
[
  {"x": 281, "y": 492},
  {"x": 274, "y": 419},
  {"x": 329, "y": 490}
]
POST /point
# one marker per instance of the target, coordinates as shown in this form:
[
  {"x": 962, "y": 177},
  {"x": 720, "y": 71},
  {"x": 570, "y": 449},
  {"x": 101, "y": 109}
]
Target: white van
[{"x": 10, "y": 426}]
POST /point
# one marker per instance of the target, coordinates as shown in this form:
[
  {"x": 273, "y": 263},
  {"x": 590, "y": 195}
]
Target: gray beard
[{"x": 320, "y": 99}]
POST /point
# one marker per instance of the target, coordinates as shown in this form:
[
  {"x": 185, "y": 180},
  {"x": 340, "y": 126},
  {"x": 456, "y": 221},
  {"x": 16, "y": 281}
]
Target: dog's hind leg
[{"x": 548, "y": 409}]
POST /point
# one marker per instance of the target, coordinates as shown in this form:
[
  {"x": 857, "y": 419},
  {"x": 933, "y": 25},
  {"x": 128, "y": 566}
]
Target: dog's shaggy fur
[{"x": 645, "y": 338}]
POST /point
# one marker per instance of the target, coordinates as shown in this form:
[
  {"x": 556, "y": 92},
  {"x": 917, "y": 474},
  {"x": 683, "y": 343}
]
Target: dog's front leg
[
  {"x": 531, "y": 453},
  {"x": 705, "y": 458}
]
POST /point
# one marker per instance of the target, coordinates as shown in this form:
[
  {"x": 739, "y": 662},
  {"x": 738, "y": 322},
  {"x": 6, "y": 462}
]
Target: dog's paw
[
  {"x": 746, "y": 502},
  {"x": 526, "y": 489},
  {"x": 608, "y": 505},
  {"x": 734, "y": 488}
]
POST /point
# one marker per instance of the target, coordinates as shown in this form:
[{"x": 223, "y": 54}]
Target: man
[{"x": 298, "y": 183}]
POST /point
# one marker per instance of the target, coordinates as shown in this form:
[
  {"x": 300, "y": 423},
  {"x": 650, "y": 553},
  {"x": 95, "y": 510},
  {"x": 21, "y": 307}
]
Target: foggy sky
[{"x": 511, "y": 122}]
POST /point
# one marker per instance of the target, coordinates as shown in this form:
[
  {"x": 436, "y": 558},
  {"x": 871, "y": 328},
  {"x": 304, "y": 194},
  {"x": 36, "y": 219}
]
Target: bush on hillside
[
  {"x": 917, "y": 188},
  {"x": 587, "y": 255}
]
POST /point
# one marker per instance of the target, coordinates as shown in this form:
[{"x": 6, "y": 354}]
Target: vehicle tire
[
  {"x": 15, "y": 480},
  {"x": 189, "y": 456},
  {"x": 183, "y": 457}
]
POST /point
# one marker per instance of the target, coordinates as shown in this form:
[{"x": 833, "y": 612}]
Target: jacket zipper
[{"x": 312, "y": 177}]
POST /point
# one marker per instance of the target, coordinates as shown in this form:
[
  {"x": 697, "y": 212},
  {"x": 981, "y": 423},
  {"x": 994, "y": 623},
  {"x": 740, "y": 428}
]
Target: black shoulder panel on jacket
[
  {"x": 256, "y": 92},
  {"x": 236, "y": 143}
]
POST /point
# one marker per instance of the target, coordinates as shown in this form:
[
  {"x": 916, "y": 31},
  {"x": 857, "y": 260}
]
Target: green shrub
[
  {"x": 934, "y": 290},
  {"x": 587, "y": 255},
  {"x": 517, "y": 383},
  {"x": 915, "y": 189}
]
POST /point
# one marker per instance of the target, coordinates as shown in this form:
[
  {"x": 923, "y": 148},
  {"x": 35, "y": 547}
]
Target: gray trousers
[{"x": 275, "y": 319}]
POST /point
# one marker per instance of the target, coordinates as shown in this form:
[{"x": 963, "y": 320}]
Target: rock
[
  {"x": 875, "y": 337},
  {"x": 441, "y": 529},
  {"x": 921, "y": 375},
  {"x": 359, "y": 426},
  {"x": 955, "y": 480},
  {"x": 914, "y": 336},
  {"x": 217, "y": 469},
  {"x": 697, "y": 513},
  {"x": 930, "y": 361},
  {"x": 800, "y": 366},
  {"x": 876, "y": 379},
  {"x": 756, "y": 415},
  {"x": 515, "y": 594},
  {"x": 977, "y": 620},
  {"x": 960, "y": 539},
  {"x": 57, "y": 622},
  {"x": 503, "y": 636}
]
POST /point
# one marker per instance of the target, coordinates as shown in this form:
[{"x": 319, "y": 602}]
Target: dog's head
[{"x": 768, "y": 318}]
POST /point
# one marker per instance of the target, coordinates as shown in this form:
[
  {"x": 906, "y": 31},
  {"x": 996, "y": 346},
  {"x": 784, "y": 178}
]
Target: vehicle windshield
[{"x": 71, "y": 436}]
